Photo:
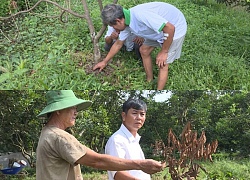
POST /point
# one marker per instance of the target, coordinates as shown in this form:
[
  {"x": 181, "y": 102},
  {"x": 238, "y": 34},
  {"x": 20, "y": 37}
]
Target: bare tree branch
[
  {"x": 20, "y": 145},
  {"x": 61, "y": 17},
  {"x": 48, "y": 1},
  {"x": 95, "y": 36},
  {"x": 88, "y": 18},
  {"x": 100, "y": 33},
  {"x": 102, "y": 30},
  {"x": 1, "y": 68},
  {"x": 100, "y": 5}
]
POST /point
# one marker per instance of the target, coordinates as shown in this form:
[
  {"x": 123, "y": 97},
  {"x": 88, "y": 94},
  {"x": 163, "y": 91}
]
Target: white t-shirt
[
  {"x": 124, "y": 145},
  {"x": 128, "y": 41},
  {"x": 147, "y": 20}
]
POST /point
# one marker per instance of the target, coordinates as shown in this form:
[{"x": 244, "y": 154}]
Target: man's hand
[
  {"x": 138, "y": 40},
  {"x": 114, "y": 35},
  {"x": 101, "y": 65},
  {"x": 151, "y": 166},
  {"x": 161, "y": 59}
]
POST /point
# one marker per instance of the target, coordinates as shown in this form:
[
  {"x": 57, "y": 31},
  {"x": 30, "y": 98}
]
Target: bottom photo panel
[{"x": 119, "y": 134}]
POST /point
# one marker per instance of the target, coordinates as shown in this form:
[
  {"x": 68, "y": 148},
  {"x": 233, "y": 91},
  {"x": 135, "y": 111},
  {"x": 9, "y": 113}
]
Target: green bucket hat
[{"x": 61, "y": 99}]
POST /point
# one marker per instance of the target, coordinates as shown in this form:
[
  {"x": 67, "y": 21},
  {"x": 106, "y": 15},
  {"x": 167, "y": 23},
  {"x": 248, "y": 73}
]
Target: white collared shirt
[{"x": 124, "y": 145}]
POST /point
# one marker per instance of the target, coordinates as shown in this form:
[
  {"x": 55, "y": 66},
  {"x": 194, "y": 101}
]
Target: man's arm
[
  {"x": 108, "y": 40},
  {"x": 113, "y": 51},
  {"x": 113, "y": 36},
  {"x": 107, "y": 162},
  {"x": 168, "y": 31}
]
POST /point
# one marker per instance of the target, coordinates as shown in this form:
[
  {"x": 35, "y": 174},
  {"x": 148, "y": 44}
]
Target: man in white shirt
[
  {"x": 124, "y": 143},
  {"x": 160, "y": 24}
]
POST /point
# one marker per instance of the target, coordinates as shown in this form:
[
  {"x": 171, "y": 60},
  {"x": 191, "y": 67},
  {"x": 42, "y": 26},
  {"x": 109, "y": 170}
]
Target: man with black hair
[{"x": 124, "y": 143}]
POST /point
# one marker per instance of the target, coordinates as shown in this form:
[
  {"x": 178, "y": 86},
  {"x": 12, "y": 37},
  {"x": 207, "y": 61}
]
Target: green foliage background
[
  {"x": 224, "y": 115},
  {"x": 43, "y": 53}
]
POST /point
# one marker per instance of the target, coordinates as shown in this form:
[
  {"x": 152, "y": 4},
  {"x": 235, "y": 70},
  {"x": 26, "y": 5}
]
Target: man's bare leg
[
  {"x": 147, "y": 61},
  {"x": 162, "y": 77}
]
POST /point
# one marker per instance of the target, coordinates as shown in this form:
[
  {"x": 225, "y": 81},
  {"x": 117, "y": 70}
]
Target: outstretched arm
[
  {"x": 113, "y": 51},
  {"x": 168, "y": 31},
  {"x": 107, "y": 162}
]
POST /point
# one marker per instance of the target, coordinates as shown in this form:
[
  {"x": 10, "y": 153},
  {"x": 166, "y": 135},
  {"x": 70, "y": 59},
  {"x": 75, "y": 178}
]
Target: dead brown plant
[{"x": 182, "y": 154}]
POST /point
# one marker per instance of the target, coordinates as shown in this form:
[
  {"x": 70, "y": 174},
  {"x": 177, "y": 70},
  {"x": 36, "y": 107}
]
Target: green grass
[
  {"x": 227, "y": 169},
  {"x": 223, "y": 169},
  {"x": 218, "y": 170},
  {"x": 47, "y": 54}
]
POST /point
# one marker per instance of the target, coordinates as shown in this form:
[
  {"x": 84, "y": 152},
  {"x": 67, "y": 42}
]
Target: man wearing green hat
[{"x": 59, "y": 154}]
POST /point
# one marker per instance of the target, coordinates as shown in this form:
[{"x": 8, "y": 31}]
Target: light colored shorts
[{"x": 174, "y": 51}]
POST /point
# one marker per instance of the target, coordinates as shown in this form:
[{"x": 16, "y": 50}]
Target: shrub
[{"x": 4, "y": 7}]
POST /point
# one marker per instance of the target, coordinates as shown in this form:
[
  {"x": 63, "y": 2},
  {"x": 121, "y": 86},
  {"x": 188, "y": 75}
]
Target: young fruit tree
[{"x": 63, "y": 12}]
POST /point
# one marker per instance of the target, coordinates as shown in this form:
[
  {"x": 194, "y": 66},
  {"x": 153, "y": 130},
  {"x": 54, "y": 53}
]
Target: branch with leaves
[
  {"x": 95, "y": 36},
  {"x": 20, "y": 144},
  {"x": 48, "y": 1}
]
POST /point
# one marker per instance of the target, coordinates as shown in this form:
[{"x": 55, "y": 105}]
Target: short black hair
[{"x": 137, "y": 104}]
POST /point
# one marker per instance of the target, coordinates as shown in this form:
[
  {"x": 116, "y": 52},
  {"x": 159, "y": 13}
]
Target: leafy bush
[
  {"x": 4, "y": 7},
  {"x": 31, "y": 171},
  {"x": 11, "y": 6},
  {"x": 25, "y": 4},
  {"x": 242, "y": 3}
]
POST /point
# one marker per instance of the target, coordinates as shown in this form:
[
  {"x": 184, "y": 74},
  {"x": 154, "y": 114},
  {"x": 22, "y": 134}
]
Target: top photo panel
[{"x": 121, "y": 44}]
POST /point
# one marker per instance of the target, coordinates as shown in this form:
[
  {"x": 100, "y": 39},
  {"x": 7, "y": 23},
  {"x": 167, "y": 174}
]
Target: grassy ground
[
  {"x": 43, "y": 53},
  {"x": 218, "y": 170}
]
